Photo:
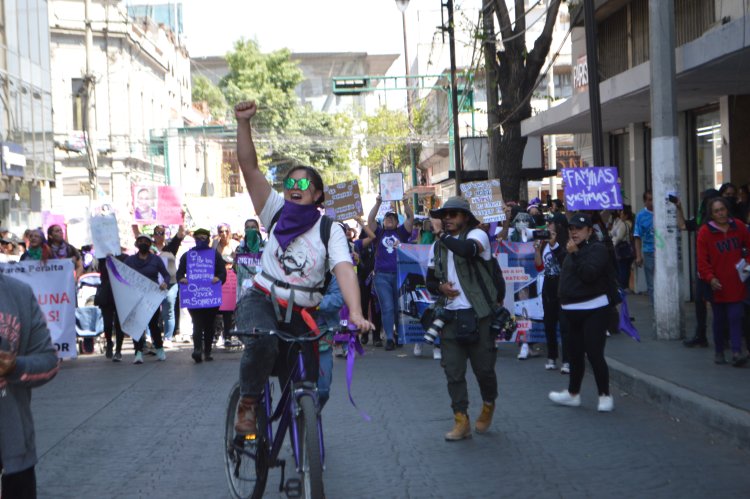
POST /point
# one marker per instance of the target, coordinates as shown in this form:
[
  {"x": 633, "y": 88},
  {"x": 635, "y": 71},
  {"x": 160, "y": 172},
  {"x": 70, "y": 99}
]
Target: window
[{"x": 78, "y": 91}]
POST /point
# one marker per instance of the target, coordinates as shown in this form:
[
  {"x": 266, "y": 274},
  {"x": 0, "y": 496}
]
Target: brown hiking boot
[
  {"x": 485, "y": 418},
  {"x": 245, "y": 424},
  {"x": 462, "y": 428}
]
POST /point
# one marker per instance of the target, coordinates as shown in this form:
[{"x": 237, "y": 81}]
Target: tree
[
  {"x": 513, "y": 72},
  {"x": 287, "y": 133},
  {"x": 205, "y": 91}
]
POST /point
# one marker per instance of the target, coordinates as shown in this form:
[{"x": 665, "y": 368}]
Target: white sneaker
[
  {"x": 138, "y": 358},
  {"x": 524, "y": 353},
  {"x": 436, "y": 353},
  {"x": 606, "y": 403},
  {"x": 565, "y": 369},
  {"x": 565, "y": 398},
  {"x": 551, "y": 365},
  {"x": 160, "y": 355},
  {"x": 168, "y": 344},
  {"x": 417, "y": 349}
]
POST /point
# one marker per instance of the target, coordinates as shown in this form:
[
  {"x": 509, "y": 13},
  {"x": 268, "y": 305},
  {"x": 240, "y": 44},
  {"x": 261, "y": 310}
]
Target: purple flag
[{"x": 626, "y": 326}]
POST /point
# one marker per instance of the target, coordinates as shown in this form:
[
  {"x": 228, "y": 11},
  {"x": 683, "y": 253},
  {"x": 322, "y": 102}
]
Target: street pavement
[{"x": 155, "y": 430}]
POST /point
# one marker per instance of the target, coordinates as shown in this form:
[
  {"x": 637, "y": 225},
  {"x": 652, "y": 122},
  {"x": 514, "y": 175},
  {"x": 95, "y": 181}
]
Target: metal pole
[
  {"x": 665, "y": 169},
  {"x": 409, "y": 110},
  {"x": 593, "y": 70},
  {"x": 90, "y": 110},
  {"x": 454, "y": 98}
]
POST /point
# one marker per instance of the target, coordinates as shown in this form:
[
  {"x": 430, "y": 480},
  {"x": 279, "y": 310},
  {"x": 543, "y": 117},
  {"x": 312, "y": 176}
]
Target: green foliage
[{"x": 205, "y": 91}]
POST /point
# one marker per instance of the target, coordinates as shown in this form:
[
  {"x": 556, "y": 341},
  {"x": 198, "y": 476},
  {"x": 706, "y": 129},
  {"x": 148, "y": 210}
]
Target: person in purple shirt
[
  {"x": 150, "y": 266},
  {"x": 387, "y": 239}
]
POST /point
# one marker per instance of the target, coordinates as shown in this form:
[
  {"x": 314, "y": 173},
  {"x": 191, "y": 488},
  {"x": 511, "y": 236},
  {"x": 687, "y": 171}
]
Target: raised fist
[{"x": 245, "y": 110}]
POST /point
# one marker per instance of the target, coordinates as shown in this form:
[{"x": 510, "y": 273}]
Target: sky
[{"x": 372, "y": 26}]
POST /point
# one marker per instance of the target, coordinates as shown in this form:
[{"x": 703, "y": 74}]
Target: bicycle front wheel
[
  {"x": 246, "y": 459},
  {"x": 310, "y": 438}
]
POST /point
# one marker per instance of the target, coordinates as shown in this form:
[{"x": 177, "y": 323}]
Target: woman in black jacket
[{"x": 585, "y": 283}]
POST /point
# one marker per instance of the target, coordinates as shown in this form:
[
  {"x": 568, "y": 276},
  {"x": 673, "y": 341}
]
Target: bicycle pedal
[{"x": 293, "y": 488}]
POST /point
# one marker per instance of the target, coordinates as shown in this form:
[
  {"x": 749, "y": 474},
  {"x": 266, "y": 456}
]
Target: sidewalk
[{"x": 684, "y": 382}]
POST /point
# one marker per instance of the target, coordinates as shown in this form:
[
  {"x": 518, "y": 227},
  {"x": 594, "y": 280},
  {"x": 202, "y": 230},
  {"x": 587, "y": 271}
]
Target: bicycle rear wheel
[
  {"x": 309, "y": 435},
  {"x": 246, "y": 460}
]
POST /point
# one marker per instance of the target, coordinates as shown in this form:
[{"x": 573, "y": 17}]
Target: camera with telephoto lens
[
  {"x": 503, "y": 324},
  {"x": 438, "y": 323}
]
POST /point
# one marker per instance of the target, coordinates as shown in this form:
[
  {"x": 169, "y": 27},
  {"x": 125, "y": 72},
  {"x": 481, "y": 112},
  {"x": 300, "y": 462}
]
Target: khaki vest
[{"x": 468, "y": 274}]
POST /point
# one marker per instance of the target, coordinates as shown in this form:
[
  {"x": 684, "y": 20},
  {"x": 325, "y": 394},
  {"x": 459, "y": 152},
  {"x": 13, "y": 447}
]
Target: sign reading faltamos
[
  {"x": 593, "y": 188},
  {"x": 485, "y": 199},
  {"x": 343, "y": 201}
]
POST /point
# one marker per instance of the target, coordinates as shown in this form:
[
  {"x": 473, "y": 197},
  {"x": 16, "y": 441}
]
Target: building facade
[{"x": 26, "y": 138}]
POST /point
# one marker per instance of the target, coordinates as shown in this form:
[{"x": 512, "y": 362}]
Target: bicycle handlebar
[{"x": 290, "y": 338}]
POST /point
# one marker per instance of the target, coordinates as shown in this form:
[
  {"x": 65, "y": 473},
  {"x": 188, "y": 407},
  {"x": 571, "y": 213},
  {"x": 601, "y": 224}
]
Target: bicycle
[{"x": 248, "y": 458}]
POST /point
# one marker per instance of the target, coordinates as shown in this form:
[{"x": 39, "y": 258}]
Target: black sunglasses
[{"x": 451, "y": 213}]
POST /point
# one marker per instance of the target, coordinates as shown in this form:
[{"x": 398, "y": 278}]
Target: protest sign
[
  {"x": 105, "y": 235},
  {"x": 200, "y": 292},
  {"x": 157, "y": 204},
  {"x": 413, "y": 296},
  {"x": 55, "y": 290},
  {"x": 392, "y": 186},
  {"x": 485, "y": 199},
  {"x": 523, "y": 284},
  {"x": 246, "y": 266},
  {"x": 229, "y": 292},
  {"x": 343, "y": 201},
  {"x": 385, "y": 207},
  {"x": 136, "y": 297},
  {"x": 592, "y": 188}
]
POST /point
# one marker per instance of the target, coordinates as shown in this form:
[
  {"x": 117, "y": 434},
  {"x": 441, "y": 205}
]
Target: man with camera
[{"x": 461, "y": 274}]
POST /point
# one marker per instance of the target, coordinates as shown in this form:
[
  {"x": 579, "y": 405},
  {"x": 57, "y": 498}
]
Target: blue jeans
[
  {"x": 326, "y": 375},
  {"x": 168, "y": 312},
  {"x": 386, "y": 287},
  {"x": 649, "y": 266}
]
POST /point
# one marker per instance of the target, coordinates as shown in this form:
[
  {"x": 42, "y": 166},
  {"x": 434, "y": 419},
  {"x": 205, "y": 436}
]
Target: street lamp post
[{"x": 402, "y": 5}]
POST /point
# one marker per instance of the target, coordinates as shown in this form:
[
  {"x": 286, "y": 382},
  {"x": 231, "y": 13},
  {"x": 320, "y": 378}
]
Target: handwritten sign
[
  {"x": 55, "y": 291},
  {"x": 392, "y": 186},
  {"x": 385, "y": 207},
  {"x": 200, "y": 292},
  {"x": 593, "y": 188},
  {"x": 200, "y": 265},
  {"x": 200, "y": 295},
  {"x": 105, "y": 235},
  {"x": 136, "y": 297},
  {"x": 343, "y": 201},
  {"x": 485, "y": 199},
  {"x": 229, "y": 292}
]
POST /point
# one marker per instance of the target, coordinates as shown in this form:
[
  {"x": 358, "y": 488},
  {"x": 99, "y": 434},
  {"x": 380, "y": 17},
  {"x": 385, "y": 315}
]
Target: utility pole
[
  {"x": 592, "y": 61},
  {"x": 402, "y": 4},
  {"x": 454, "y": 94},
  {"x": 665, "y": 170},
  {"x": 89, "y": 84}
]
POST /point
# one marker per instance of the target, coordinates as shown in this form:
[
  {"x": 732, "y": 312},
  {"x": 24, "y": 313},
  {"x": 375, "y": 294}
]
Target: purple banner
[
  {"x": 200, "y": 295},
  {"x": 592, "y": 188}
]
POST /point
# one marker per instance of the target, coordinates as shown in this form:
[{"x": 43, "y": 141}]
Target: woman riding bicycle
[{"x": 294, "y": 267}]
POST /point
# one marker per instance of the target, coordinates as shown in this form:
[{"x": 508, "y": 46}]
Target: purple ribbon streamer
[
  {"x": 354, "y": 348},
  {"x": 625, "y": 325},
  {"x": 113, "y": 270}
]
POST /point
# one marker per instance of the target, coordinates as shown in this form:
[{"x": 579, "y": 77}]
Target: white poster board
[
  {"x": 54, "y": 286},
  {"x": 136, "y": 297},
  {"x": 105, "y": 235},
  {"x": 392, "y": 186}
]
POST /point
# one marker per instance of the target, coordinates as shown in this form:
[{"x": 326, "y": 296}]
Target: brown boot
[
  {"x": 485, "y": 418},
  {"x": 462, "y": 428},
  {"x": 245, "y": 424}
]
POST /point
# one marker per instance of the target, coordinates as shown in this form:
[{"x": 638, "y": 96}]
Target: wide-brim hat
[
  {"x": 580, "y": 220},
  {"x": 455, "y": 203}
]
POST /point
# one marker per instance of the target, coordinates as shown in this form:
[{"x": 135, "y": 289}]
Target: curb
[{"x": 679, "y": 402}]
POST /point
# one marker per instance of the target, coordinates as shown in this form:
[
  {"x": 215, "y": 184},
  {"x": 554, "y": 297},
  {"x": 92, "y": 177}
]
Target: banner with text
[
  {"x": 136, "y": 297},
  {"x": 343, "y": 201},
  {"x": 524, "y": 283},
  {"x": 592, "y": 188},
  {"x": 200, "y": 292},
  {"x": 485, "y": 199},
  {"x": 413, "y": 296},
  {"x": 55, "y": 289}
]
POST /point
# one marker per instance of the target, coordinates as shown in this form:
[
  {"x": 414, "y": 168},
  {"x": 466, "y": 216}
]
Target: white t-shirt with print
[
  {"x": 302, "y": 264},
  {"x": 460, "y": 302}
]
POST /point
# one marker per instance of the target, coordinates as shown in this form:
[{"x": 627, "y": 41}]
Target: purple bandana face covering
[{"x": 295, "y": 220}]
